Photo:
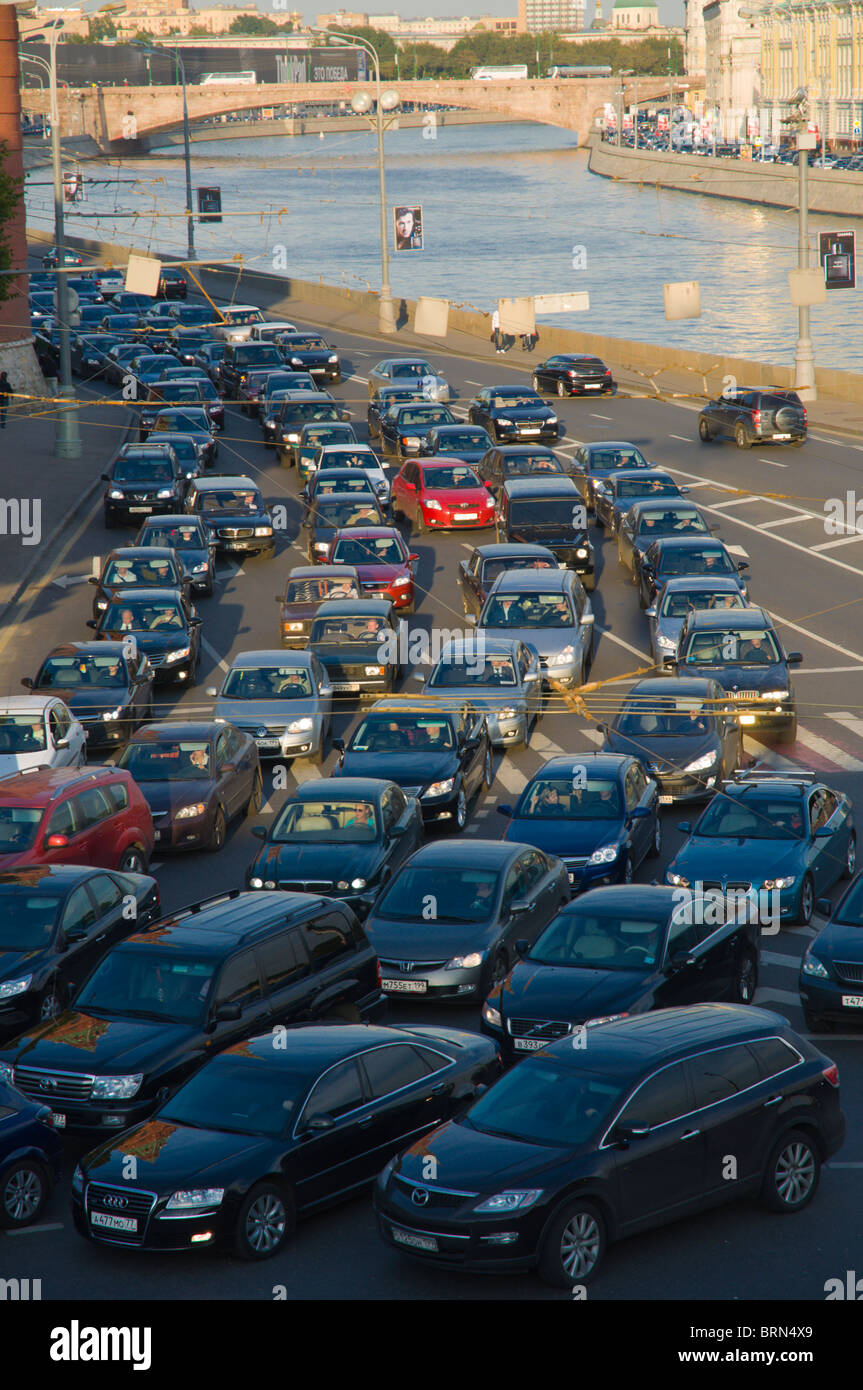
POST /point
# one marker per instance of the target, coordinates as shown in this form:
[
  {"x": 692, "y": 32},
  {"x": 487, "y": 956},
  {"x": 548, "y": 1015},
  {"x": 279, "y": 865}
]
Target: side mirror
[
  {"x": 27, "y": 682},
  {"x": 62, "y": 743},
  {"x": 742, "y": 565},
  {"x": 714, "y": 530},
  {"x": 684, "y": 491},
  {"x": 824, "y": 906},
  {"x": 74, "y": 934},
  {"x": 640, "y": 813},
  {"x": 518, "y": 908},
  {"x": 339, "y": 745},
  {"x": 531, "y": 678},
  {"x": 794, "y": 658},
  {"x": 822, "y": 833},
  {"x": 414, "y": 559},
  {"x": 685, "y": 827},
  {"x": 325, "y": 692},
  {"x": 470, "y": 618},
  {"x": 397, "y": 831},
  {"x": 106, "y": 477},
  {"x": 93, "y": 579},
  {"x": 91, "y": 622},
  {"x": 522, "y": 946},
  {"x": 603, "y": 729},
  {"x": 505, "y": 810},
  {"x": 227, "y": 1013},
  {"x": 669, "y": 663},
  {"x": 651, "y": 611},
  {"x": 320, "y": 1122},
  {"x": 259, "y": 831},
  {"x": 681, "y": 959},
  {"x": 211, "y": 690},
  {"x": 623, "y": 1135}
]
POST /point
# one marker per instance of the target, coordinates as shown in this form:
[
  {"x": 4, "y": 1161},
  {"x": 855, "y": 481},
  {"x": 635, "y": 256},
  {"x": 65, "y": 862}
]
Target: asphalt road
[{"x": 810, "y": 580}]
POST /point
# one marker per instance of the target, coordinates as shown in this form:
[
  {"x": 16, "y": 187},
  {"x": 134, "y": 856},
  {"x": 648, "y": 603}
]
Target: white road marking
[
  {"x": 682, "y": 437},
  {"x": 303, "y": 771},
  {"x": 786, "y": 521},
  {"x": 849, "y": 722},
  {"x": 468, "y": 382},
  {"x": 601, "y": 417},
  {"x": 543, "y": 744},
  {"x": 777, "y": 958},
  {"x": 512, "y": 778},
  {"x": 737, "y": 550},
  {"x": 359, "y": 378},
  {"x": 777, "y": 996},
  {"x": 828, "y": 750},
  {"x": 825, "y": 671},
  {"x": 592, "y": 735},
  {"x": 482, "y": 813},
  {"x": 795, "y": 627},
  {"x": 466, "y": 545},
  {"x": 737, "y": 502},
  {"x": 773, "y": 463},
  {"x": 211, "y": 651},
  {"x": 843, "y": 540},
  {"x": 643, "y": 656}
]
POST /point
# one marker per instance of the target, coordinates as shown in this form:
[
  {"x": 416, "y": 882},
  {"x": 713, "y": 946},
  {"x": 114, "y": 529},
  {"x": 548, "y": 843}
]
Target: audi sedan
[
  {"x": 163, "y": 625},
  {"x": 381, "y": 559}
]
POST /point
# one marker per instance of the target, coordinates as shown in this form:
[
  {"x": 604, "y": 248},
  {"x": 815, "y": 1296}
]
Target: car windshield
[
  {"x": 674, "y": 522},
  {"x": 515, "y": 398},
  {"x": 160, "y": 762},
  {"x": 359, "y": 482},
  {"x": 609, "y": 460},
  {"x": 328, "y": 434},
  {"x": 403, "y": 733},
  {"x": 346, "y": 513},
  {"x": 577, "y": 797},
  {"x": 529, "y": 467},
  {"x": 541, "y": 511},
  {"x": 528, "y": 610},
  {"x": 241, "y": 316},
  {"x": 454, "y": 478},
  {"x": 462, "y": 439},
  {"x": 22, "y": 733},
  {"x": 651, "y": 487},
  {"x": 131, "y": 470},
  {"x": 193, "y": 313},
  {"x": 703, "y": 560},
  {"x": 307, "y": 343},
  {"x": 766, "y": 817},
  {"x": 140, "y": 616},
  {"x": 656, "y": 716},
  {"x": 159, "y": 572},
  {"x": 316, "y": 590},
  {"x": 237, "y": 1095},
  {"x": 174, "y": 537},
  {"x": 602, "y": 940},
  {"x": 730, "y": 647},
  {"x": 545, "y": 1101},
  {"x": 377, "y": 550},
  {"x": 184, "y": 447},
  {"x": 678, "y": 603},
  {"x": 18, "y": 827},
  {"x": 295, "y": 412},
  {"x": 142, "y": 982},
  {"x": 332, "y": 632},
  {"x": 336, "y": 820},
  {"x": 421, "y": 416},
  {"x": 257, "y": 355},
  {"x": 182, "y": 423},
  {"x": 492, "y": 568},
  {"x": 360, "y": 459},
  {"x": 457, "y": 895},
  {"x": 232, "y": 499},
  {"x": 63, "y": 672},
  {"x": 27, "y": 917},
  {"x": 410, "y": 369},
  {"x": 267, "y": 683},
  {"x": 475, "y": 670}
]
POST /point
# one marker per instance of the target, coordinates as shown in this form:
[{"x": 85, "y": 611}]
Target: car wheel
[
  {"x": 23, "y": 1192},
  {"x": 256, "y": 799},
  {"x": 704, "y": 431},
  {"x": 626, "y": 876},
  {"x": 574, "y": 1246},
  {"x": 460, "y": 813},
  {"x": 806, "y": 905},
  {"x": 741, "y": 436},
  {"x": 133, "y": 861},
  {"x": 850, "y": 857},
  {"x": 746, "y": 978},
  {"x": 217, "y": 838},
  {"x": 561, "y": 389},
  {"x": 265, "y": 1222},
  {"x": 52, "y": 1003},
  {"x": 656, "y": 843},
  {"x": 792, "y": 1173}
]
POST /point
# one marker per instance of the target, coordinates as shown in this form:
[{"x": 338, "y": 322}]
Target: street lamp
[
  {"x": 361, "y": 104},
  {"x": 190, "y": 221},
  {"x": 804, "y": 357}
]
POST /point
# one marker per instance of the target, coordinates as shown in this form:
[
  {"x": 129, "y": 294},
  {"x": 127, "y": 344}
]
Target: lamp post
[
  {"x": 361, "y": 104},
  {"x": 804, "y": 356},
  {"x": 187, "y": 156}
]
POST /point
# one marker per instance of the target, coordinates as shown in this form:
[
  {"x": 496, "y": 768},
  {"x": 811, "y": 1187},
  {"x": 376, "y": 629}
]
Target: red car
[
  {"x": 381, "y": 559},
  {"x": 434, "y": 496},
  {"x": 94, "y": 816}
]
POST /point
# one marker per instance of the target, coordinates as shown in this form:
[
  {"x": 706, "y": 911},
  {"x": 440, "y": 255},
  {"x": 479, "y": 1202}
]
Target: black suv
[
  {"x": 165, "y": 1000},
  {"x": 549, "y": 512},
  {"x": 774, "y": 416},
  {"x": 242, "y": 358},
  {"x": 142, "y": 480}
]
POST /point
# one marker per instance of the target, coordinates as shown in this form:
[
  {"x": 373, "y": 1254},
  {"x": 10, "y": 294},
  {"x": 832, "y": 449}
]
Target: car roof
[
  {"x": 328, "y": 498},
  {"x": 47, "y": 875},
  {"x": 598, "y": 761},
  {"x": 663, "y": 504},
  {"x": 532, "y": 580},
  {"x": 721, "y": 582},
  {"x": 176, "y": 729},
  {"x": 520, "y": 450},
  {"x": 322, "y": 572},
  {"x": 169, "y": 519},
  {"x": 341, "y": 788},
  {"x": 44, "y": 783},
  {"x": 688, "y": 542},
  {"x": 313, "y": 1047},
  {"x": 354, "y": 607},
  {"x": 626, "y": 475},
  {"x": 534, "y": 486},
  {"x": 404, "y": 704},
  {"x": 133, "y": 591},
  {"x": 610, "y": 444},
  {"x": 274, "y": 656},
  {"x": 142, "y": 552},
  {"x": 224, "y": 480},
  {"x": 227, "y": 921},
  {"x": 467, "y": 646},
  {"x": 79, "y": 649},
  {"x": 368, "y": 532},
  {"x": 505, "y": 550},
  {"x": 467, "y": 854},
  {"x": 735, "y": 617}
]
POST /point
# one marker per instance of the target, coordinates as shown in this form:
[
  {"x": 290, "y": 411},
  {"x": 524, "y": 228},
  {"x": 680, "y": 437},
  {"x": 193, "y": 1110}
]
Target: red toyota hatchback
[
  {"x": 382, "y": 560},
  {"x": 436, "y": 496},
  {"x": 94, "y": 816}
]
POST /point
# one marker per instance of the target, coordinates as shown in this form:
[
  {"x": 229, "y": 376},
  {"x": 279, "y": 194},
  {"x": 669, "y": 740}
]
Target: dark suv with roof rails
[{"x": 771, "y": 416}]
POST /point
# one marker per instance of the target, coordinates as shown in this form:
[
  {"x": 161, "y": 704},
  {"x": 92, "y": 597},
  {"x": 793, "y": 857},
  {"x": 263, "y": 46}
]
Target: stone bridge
[{"x": 118, "y": 118}]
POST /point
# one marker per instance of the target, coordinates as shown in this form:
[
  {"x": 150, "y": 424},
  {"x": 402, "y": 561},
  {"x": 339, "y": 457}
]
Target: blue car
[
  {"x": 831, "y": 974},
  {"x": 778, "y": 833},
  {"x": 598, "y": 812},
  {"x": 30, "y": 1157}
]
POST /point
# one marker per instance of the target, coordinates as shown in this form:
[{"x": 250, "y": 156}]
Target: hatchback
[{"x": 74, "y": 816}]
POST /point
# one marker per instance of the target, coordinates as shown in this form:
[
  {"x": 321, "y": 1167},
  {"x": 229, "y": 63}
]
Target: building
[
  {"x": 157, "y": 17},
  {"x": 694, "y": 36},
  {"x": 633, "y": 14},
  {"x": 443, "y": 32},
  {"x": 819, "y": 46},
  {"x": 550, "y": 16},
  {"x": 732, "y": 69}
]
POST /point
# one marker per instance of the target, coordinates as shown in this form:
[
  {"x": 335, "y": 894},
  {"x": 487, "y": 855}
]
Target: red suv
[
  {"x": 381, "y": 559},
  {"x": 94, "y": 816}
]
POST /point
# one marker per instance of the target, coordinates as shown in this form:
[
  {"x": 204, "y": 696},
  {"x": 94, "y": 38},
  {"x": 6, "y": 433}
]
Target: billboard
[
  {"x": 837, "y": 252},
  {"x": 118, "y": 64},
  {"x": 408, "y": 228}
]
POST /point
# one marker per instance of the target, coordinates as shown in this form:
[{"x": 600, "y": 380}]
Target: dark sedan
[
  {"x": 646, "y": 522},
  {"x": 173, "y": 283},
  {"x": 466, "y": 443},
  {"x": 831, "y": 973},
  {"x": 108, "y": 686},
  {"x": 193, "y": 391},
  {"x": 152, "y": 567},
  {"x": 593, "y": 462},
  {"x": 357, "y": 643},
  {"x": 404, "y": 428},
  {"x": 344, "y": 839},
  {"x": 234, "y": 512},
  {"x": 742, "y": 650},
  {"x": 327, "y": 515},
  {"x": 295, "y": 411},
  {"x": 505, "y": 461},
  {"x": 613, "y": 496},
  {"x": 309, "y": 1124},
  {"x": 672, "y": 557},
  {"x": 164, "y": 626},
  {"x": 187, "y": 448},
  {"x": 195, "y": 779},
  {"x": 89, "y": 351},
  {"x": 574, "y": 374},
  {"x": 514, "y": 412},
  {"x": 189, "y": 538},
  {"x": 387, "y": 396},
  {"x": 311, "y": 353},
  {"x": 306, "y": 589},
  {"x": 189, "y": 419},
  {"x": 477, "y": 573}
]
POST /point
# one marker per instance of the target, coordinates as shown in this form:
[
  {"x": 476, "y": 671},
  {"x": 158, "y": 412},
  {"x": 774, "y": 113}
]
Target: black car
[
  {"x": 309, "y": 352},
  {"x": 681, "y": 733},
  {"x": 186, "y": 343},
  {"x": 129, "y": 301},
  {"x": 405, "y": 427},
  {"x": 309, "y": 1124},
  {"x": 173, "y": 283},
  {"x": 446, "y": 926},
  {"x": 624, "y": 1127},
  {"x": 357, "y": 641},
  {"x": 741, "y": 649},
  {"x": 387, "y": 396},
  {"x": 187, "y": 448},
  {"x": 190, "y": 539},
  {"x": 240, "y": 359},
  {"x": 592, "y": 463},
  {"x": 345, "y": 839},
  {"x": 163, "y": 1001},
  {"x": 188, "y": 419},
  {"x": 649, "y": 521},
  {"x": 295, "y": 411},
  {"x": 514, "y": 412},
  {"x": 194, "y": 392},
  {"x": 234, "y": 512},
  {"x": 574, "y": 374},
  {"x": 154, "y": 568},
  {"x": 88, "y": 352},
  {"x": 108, "y": 686},
  {"x": 328, "y": 514},
  {"x": 465, "y": 443},
  {"x": 692, "y": 556},
  {"x": 142, "y": 480},
  {"x": 31, "y": 1160},
  {"x": 613, "y": 496},
  {"x": 164, "y": 626},
  {"x": 442, "y": 756},
  {"x": 56, "y": 923},
  {"x": 831, "y": 972},
  {"x": 516, "y": 461},
  {"x": 478, "y": 572},
  {"x": 547, "y": 512},
  {"x": 752, "y": 417},
  {"x": 208, "y": 356}
]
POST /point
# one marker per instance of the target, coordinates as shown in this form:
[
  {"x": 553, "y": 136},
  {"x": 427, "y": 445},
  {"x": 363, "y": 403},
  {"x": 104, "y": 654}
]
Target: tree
[
  {"x": 102, "y": 29},
  {"x": 10, "y": 200},
  {"x": 253, "y": 24},
  {"x": 383, "y": 42}
]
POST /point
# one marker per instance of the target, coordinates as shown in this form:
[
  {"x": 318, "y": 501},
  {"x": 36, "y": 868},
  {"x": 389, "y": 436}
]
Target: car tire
[
  {"x": 265, "y": 1222},
  {"x": 256, "y": 799},
  {"x": 850, "y": 857},
  {"x": 704, "y": 432},
  {"x": 745, "y": 981},
  {"x": 573, "y": 1247},
  {"x": 806, "y": 905},
  {"x": 791, "y": 1174},
  {"x": 459, "y": 818},
  {"x": 217, "y": 835},
  {"x": 656, "y": 843},
  {"x": 133, "y": 860},
  {"x": 741, "y": 436},
  {"x": 561, "y": 389},
  {"x": 24, "y": 1190}
]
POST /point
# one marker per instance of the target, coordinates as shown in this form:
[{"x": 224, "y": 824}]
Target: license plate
[
  {"x": 113, "y": 1223},
  {"x": 531, "y": 429},
  {"x": 468, "y": 516},
  {"x": 58, "y": 1121},
  {"x": 665, "y": 800},
  {"x": 782, "y": 436},
  {"x": 345, "y": 685},
  {"x": 405, "y": 986},
  {"x": 413, "y": 1241},
  {"x": 140, "y": 509},
  {"x": 592, "y": 385},
  {"x": 529, "y": 1044},
  {"x": 267, "y": 743},
  {"x": 852, "y": 1001}
]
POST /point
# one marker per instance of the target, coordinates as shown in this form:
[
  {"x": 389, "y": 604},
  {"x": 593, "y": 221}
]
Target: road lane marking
[
  {"x": 211, "y": 652},
  {"x": 543, "y": 744},
  {"x": 784, "y": 962},
  {"x": 737, "y": 502},
  {"x": 512, "y": 777},
  {"x": 468, "y": 382},
  {"x": 682, "y": 437},
  {"x": 787, "y": 521},
  {"x": 777, "y": 996},
  {"x": 773, "y": 463},
  {"x": 795, "y": 627},
  {"x": 849, "y": 722},
  {"x": 601, "y": 417},
  {"x": 843, "y": 540},
  {"x": 643, "y": 656},
  {"x": 828, "y": 750},
  {"x": 737, "y": 550},
  {"x": 36, "y": 1230}
]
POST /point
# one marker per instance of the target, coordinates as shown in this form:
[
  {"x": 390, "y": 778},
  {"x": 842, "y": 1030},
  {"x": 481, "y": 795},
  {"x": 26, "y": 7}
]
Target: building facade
[
  {"x": 817, "y": 45},
  {"x": 157, "y": 17},
  {"x": 633, "y": 14},
  {"x": 550, "y": 16},
  {"x": 732, "y": 69},
  {"x": 694, "y": 40}
]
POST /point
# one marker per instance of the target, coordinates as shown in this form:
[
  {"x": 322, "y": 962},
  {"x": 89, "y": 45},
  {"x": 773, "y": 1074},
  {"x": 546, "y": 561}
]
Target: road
[{"x": 770, "y": 505}]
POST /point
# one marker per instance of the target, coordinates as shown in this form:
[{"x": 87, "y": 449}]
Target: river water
[{"x": 508, "y": 210}]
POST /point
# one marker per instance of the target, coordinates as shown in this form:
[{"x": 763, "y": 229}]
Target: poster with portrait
[{"x": 408, "y": 228}]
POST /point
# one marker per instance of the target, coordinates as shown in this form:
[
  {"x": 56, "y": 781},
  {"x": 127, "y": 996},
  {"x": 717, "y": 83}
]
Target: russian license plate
[
  {"x": 529, "y": 1044},
  {"x": 140, "y": 509},
  {"x": 531, "y": 429},
  {"x": 345, "y": 685},
  {"x": 592, "y": 385},
  {"x": 468, "y": 516},
  {"x": 665, "y": 800},
  {"x": 415, "y": 1242},
  {"x": 267, "y": 743},
  {"x": 852, "y": 1001},
  {"x": 113, "y": 1223},
  {"x": 405, "y": 986},
  {"x": 572, "y": 877},
  {"x": 58, "y": 1121},
  {"x": 782, "y": 436}
]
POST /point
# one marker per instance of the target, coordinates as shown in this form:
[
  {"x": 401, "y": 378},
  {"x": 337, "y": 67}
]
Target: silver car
[
  {"x": 282, "y": 698},
  {"x": 409, "y": 371},
  {"x": 668, "y": 612},
  {"x": 354, "y": 456},
  {"x": 549, "y": 611},
  {"x": 499, "y": 675}
]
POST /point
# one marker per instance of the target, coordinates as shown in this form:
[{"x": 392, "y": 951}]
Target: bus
[
  {"x": 515, "y": 72},
  {"x": 235, "y": 79},
  {"x": 595, "y": 70}
]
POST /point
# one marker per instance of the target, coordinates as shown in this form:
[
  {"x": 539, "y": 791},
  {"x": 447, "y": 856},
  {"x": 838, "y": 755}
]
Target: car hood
[
  {"x": 838, "y": 941},
  {"x": 170, "y": 796},
  {"x": 178, "y": 1156},
  {"x": 463, "y": 455},
  {"x": 157, "y": 642},
  {"x": 545, "y": 532},
  {"x": 82, "y": 1042},
  {"x": 247, "y": 712},
  {"x": 740, "y": 677},
  {"x": 229, "y": 518},
  {"x": 521, "y": 412},
  {"x": 565, "y": 838},
  {"x": 545, "y": 641},
  {"x": 90, "y": 700},
  {"x": 737, "y": 860},
  {"x": 368, "y": 573},
  {"x": 494, "y": 698},
  {"x": 570, "y": 993},
  {"x": 452, "y": 496},
  {"x": 332, "y": 861},
  {"x": 15, "y": 963},
  {"x": 666, "y": 751},
  {"x": 349, "y": 654},
  {"x": 419, "y": 940},
  {"x": 476, "y": 1162},
  {"x": 405, "y": 769}
]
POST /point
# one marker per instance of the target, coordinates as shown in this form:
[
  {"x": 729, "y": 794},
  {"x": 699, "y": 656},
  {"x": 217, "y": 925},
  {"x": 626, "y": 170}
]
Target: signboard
[
  {"x": 858, "y": 129},
  {"x": 806, "y": 287},
  {"x": 561, "y": 303},
  {"x": 516, "y": 315},
  {"x": 142, "y": 275},
  {"x": 209, "y": 204},
  {"x": 408, "y": 228},
  {"x": 837, "y": 253},
  {"x": 682, "y": 299},
  {"x": 432, "y": 316}
]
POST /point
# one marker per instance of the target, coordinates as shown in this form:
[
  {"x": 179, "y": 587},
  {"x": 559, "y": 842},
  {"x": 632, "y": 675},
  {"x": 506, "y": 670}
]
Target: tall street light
[
  {"x": 804, "y": 356},
  {"x": 187, "y": 155},
  {"x": 361, "y": 104}
]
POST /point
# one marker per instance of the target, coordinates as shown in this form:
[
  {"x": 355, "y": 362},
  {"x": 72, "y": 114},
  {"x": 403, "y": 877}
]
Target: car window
[
  {"x": 60, "y": 722},
  {"x": 663, "y": 1097},
  {"x": 62, "y": 820},
  {"x": 682, "y": 935},
  {"x": 118, "y": 795},
  {"x": 80, "y": 910},
  {"x": 829, "y": 807},
  {"x": 327, "y": 938},
  {"x": 532, "y": 868},
  {"x": 106, "y": 892},
  {"x": 631, "y": 789},
  {"x": 282, "y": 961},
  {"x": 335, "y": 1094},
  {"x": 92, "y": 807},
  {"x": 773, "y": 1056},
  {"x": 722, "y": 1073},
  {"x": 392, "y": 1068},
  {"x": 239, "y": 982}
]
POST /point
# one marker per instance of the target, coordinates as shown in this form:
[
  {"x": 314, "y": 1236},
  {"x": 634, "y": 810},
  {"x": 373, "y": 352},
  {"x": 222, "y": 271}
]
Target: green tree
[
  {"x": 102, "y": 29},
  {"x": 385, "y": 45},
  {"x": 253, "y": 24},
  {"x": 10, "y": 200}
]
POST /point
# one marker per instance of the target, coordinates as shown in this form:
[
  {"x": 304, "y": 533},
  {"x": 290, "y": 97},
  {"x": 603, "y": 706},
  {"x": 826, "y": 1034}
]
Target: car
[
  {"x": 270, "y": 330},
  {"x": 549, "y": 612},
  {"x": 277, "y": 381},
  {"x": 350, "y": 1094},
  {"x": 191, "y": 542},
  {"x": 326, "y": 516},
  {"x": 284, "y": 703},
  {"x": 435, "y": 495},
  {"x": 234, "y": 512},
  {"x": 196, "y": 777},
  {"x": 90, "y": 314},
  {"x": 88, "y": 351},
  {"x": 57, "y": 921},
  {"x": 573, "y": 1151},
  {"x": 574, "y": 374},
  {"x": 676, "y": 597},
  {"x": 130, "y": 301},
  {"x": 173, "y": 283},
  {"x": 357, "y": 643},
  {"x": 478, "y": 572},
  {"x": 464, "y": 443},
  {"x": 445, "y": 927},
  {"x": 295, "y": 411},
  {"x": 208, "y": 356},
  {"x": 832, "y": 966},
  {"x": 110, "y": 282},
  {"x": 649, "y": 521},
  {"x": 331, "y": 454},
  {"x": 742, "y": 651},
  {"x": 123, "y": 327},
  {"x": 312, "y": 438},
  {"x": 85, "y": 287},
  {"x": 311, "y": 353},
  {"x": 144, "y": 369},
  {"x": 107, "y": 688},
  {"x": 344, "y": 838},
  {"x": 548, "y": 512},
  {"x": 408, "y": 372},
  {"x": 510, "y": 413},
  {"x": 178, "y": 371},
  {"x": 333, "y": 481},
  {"x": 142, "y": 479},
  {"x": 748, "y": 416},
  {"x": 39, "y": 731},
  {"x": 193, "y": 315},
  {"x": 236, "y": 321},
  {"x": 307, "y": 587},
  {"x": 161, "y": 623},
  {"x": 153, "y": 567},
  {"x": 64, "y": 815},
  {"x": 188, "y": 419},
  {"x": 243, "y": 358},
  {"x": 197, "y": 391},
  {"x": 31, "y": 1158},
  {"x": 614, "y": 495},
  {"x": 501, "y": 676},
  {"x": 381, "y": 559},
  {"x": 592, "y": 463},
  {"x": 187, "y": 986},
  {"x": 117, "y": 367},
  {"x": 250, "y": 389},
  {"x": 794, "y": 838},
  {"x": 683, "y": 734},
  {"x": 441, "y": 756},
  {"x": 185, "y": 344},
  {"x": 50, "y": 260},
  {"x": 404, "y": 427},
  {"x": 387, "y": 396},
  {"x": 689, "y": 556},
  {"x": 187, "y": 448},
  {"x": 505, "y": 461}
]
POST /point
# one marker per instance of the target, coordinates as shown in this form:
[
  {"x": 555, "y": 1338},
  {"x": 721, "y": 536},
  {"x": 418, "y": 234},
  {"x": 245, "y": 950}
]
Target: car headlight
[
  {"x": 374, "y": 670},
  {"x": 812, "y": 966},
  {"x": 263, "y": 530},
  {"x": 492, "y": 1016},
  {"x": 677, "y": 880},
  {"x": 509, "y": 712},
  {"x": 412, "y": 441},
  {"x": 78, "y": 1179},
  {"x": 440, "y": 788},
  {"x": 581, "y": 553},
  {"x": 292, "y": 438},
  {"x": 606, "y": 855},
  {"x": 178, "y": 655},
  {"x": 785, "y": 882},
  {"x": 400, "y": 583},
  {"x": 775, "y": 695},
  {"x": 334, "y": 357},
  {"x": 322, "y": 546},
  {"x": 301, "y": 726},
  {"x": 189, "y": 812},
  {"x": 194, "y": 1198},
  {"x": 503, "y": 420},
  {"x": 514, "y": 1199},
  {"x": 9, "y": 988},
  {"x": 270, "y": 422},
  {"x": 165, "y": 492},
  {"x": 432, "y": 504},
  {"x": 358, "y": 883},
  {"x": 472, "y": 961},
  {"x": 7, "y": 1072},
  {"x": 256, "y": 883},
  {"x": 703, "y": 763},
  {"x": 562, "y": 657},
  {"x": 201, "y": 569},
  {"x": 552, "y": 420},
  {"x": 116, "y": 1087},
  {"x": 116, "y": 494},
  {"x": 296, "y": 361},
  {"x": 110, "y": 714},
  {"x": 666, "y": 644}
]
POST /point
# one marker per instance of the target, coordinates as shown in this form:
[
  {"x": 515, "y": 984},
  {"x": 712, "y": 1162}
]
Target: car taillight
[
  {"x": 378, "y": 976},
  {"x": 831, "y": 1074},
  {"x": 756, "y": 417},
  {"x": 608, "y": 371},
  {"x": 803, "y": 408}
]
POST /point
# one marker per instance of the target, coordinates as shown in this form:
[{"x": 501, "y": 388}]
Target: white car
[
  {"x": 110, "y": 282},
  {"x": 355, "y": 456},
  {"x": 268, "y": 332},
  {"x": 409, "y": 371},
  {"x": 39, "y": 731}
]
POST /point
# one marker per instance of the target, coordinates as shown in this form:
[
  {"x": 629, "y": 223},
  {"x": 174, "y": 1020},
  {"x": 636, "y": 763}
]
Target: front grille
[
  {"x": 716, "y": 887},
  {"x": 53, "y": 1085},
  {"x": 440, "y": 1199},
  {"x": 236, "y": 533},
  {"x": 745, "y": 694},
  {"x": 537, "y": 1028},
  {"x": 156, "y": 659},
  {"x": 574, "y": 863},
  {"x": 407, "y": 967},
  {"x": 307, "y": 885},
  {"x": 127, "y": 1202},
  {"x": 849, "y": 972},
  {"x": 373, "y": 585},
  {"x": 252, "y": 729}
]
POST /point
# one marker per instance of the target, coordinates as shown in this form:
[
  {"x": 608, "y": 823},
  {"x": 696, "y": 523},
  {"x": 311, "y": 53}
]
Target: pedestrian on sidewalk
[
  {"x": 5, "y": 392},
  {"x": 495, "y": 331},
  {"x": 529, "y": 341}
]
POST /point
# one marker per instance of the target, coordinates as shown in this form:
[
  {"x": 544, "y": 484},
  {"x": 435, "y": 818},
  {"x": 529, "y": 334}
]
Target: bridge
[{"x": 124, "y": 119}]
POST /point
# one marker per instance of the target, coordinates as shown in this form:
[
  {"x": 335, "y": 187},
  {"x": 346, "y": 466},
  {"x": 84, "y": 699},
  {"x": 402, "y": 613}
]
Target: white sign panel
[
  {"x": 142, "y": 274},
  {"x": 577, "y": 303}
]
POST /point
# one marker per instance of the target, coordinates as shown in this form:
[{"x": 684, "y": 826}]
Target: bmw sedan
[
  {"x": 574, "y": 374},
  {"x": 511, "y": 413}
]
